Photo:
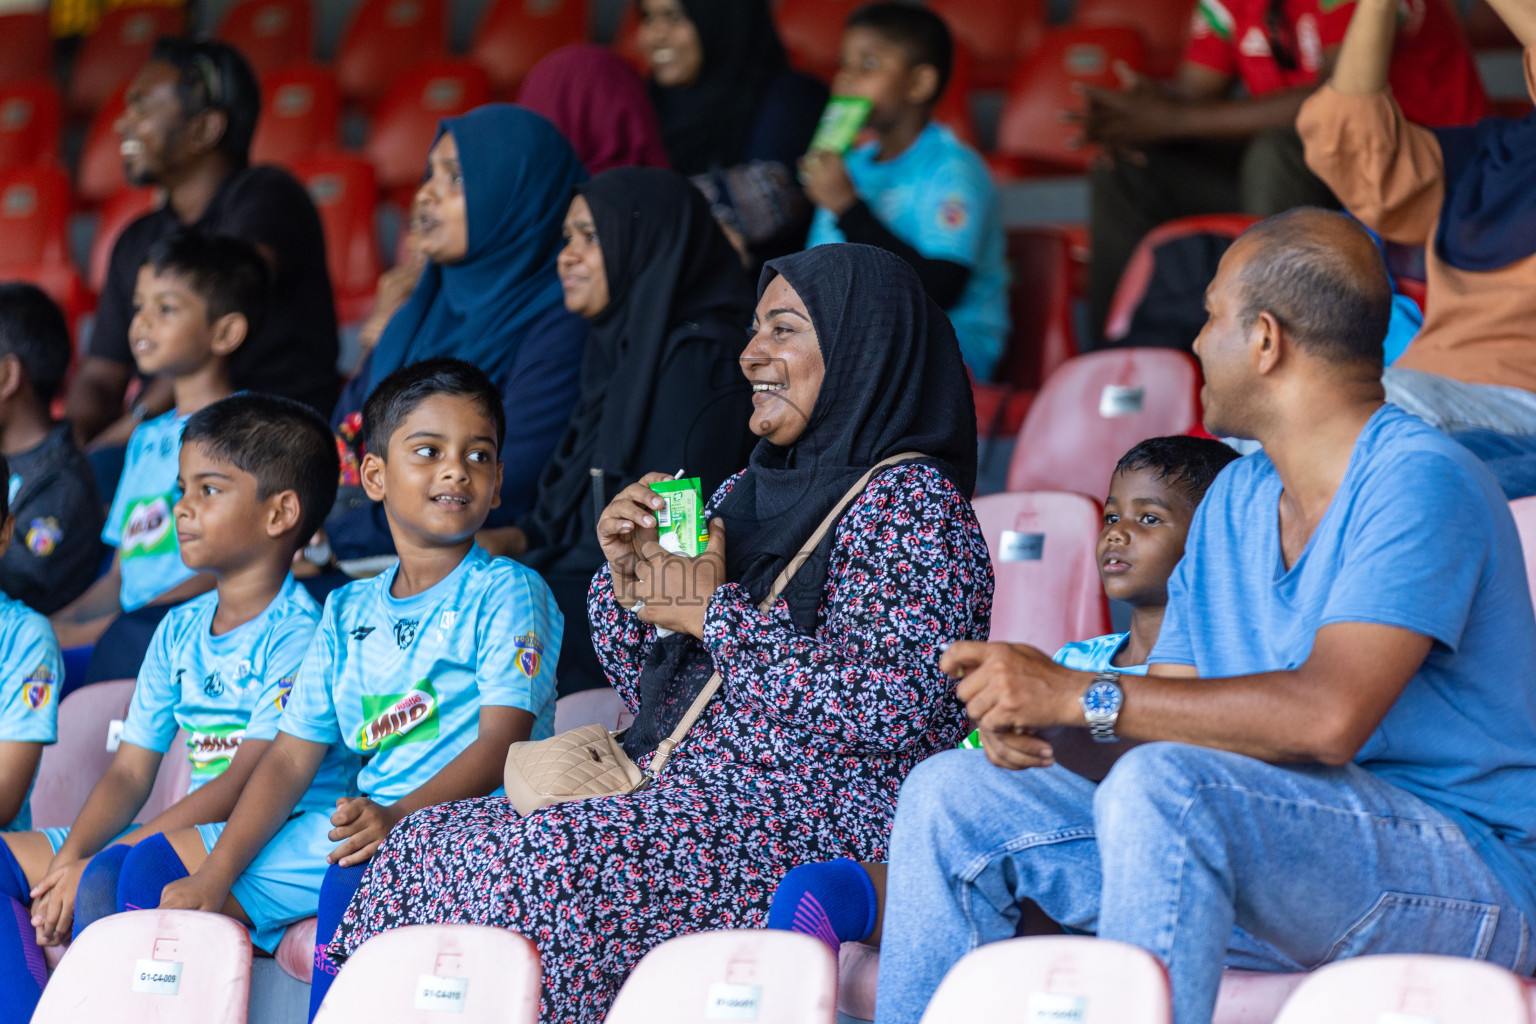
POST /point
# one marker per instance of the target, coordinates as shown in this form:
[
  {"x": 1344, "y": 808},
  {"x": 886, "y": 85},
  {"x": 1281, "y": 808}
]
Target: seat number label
[
  {"x": 1055, "y": 1008},
  {"x": 441, "y": 995},
  {"x": 732, "y": 1002},
  {"x": 161, "y": 977}
]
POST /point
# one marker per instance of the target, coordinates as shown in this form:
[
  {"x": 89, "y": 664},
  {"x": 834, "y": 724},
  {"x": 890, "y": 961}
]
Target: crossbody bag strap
[{"x": 665, "y": 747}]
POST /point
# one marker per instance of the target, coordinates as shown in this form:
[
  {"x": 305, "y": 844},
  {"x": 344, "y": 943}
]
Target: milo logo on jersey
[
  {"x": 210, "y": 750},
  {"x": 396, "y": 718},
  {"x": 148, "y": 528}
]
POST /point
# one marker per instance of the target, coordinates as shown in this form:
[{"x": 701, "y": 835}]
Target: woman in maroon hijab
[{"x": 599, "y": 104}]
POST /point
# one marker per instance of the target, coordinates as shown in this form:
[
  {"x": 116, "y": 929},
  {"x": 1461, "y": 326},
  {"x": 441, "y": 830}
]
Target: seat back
[
  {"x": 99, "y": 174},
  {"x": 812, "y": 32},
  {"x": 1047, "y": 583},
  {"x": 34, "y": 208},
  {"x": 70, "y": 768},
  {"x": 953, "y": 110},
  {"x": 514, "y": 35},
  {"x": 164, "y": 966},
  {"x": 999, "y": 33},
  {"x": 1094, "y": 408},
  {"x": 1041, "y": 262},
  {"x": 271, "y": 34},
  {"x": 1406, "y": 990},
  {"x": 123, "y": 208},
  {"x": 300, "y": 115},
  {"x": 385, "y": 39},
  {"x": 1163, "y": 25},
  {"x": 1066, "y": 978},
  {"x": 26, "y": 47},
  {"x": 171, "y": 781},
  {"x": 419, "y": 972},
  {"x": 343, "y": 189},
  {"x": 31, "y": 118},
  {"x": 1524, "y": 511},
  {"x": 1043, "y": 89},
  {"x": 1138, "y": 274},
  {"x": 599, "y": 706},
  {"x": 113, "y": 54},
  {"x": 406, "y": 120},
  {"x": 770, "y": 977}
]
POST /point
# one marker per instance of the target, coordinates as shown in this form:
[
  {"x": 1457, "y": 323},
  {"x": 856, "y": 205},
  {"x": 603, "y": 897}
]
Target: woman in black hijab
[
  {"x": 660, "y": 386},
  {"x": 734, "y": 117}
]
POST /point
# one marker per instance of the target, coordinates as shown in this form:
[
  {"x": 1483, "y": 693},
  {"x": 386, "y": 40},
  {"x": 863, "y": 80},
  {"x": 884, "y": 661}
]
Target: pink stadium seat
[
  {"x": 300, "y": 115},
  {"x": 1524, "y": 511},
  {"x": 30, "y": 122},
  {"x": 343, "y": 189},
  {"x": 1094, "y": 408},
  {"x": 1088, "y": 981},
  {"x": 812, "y": 31},
  {"x": 1409, "y": 989},
  {"x": 295, "y": 952},
  {"x": 998, "y": 32},
  {"x": 1032, "y": 137},
  {"x": 171, "y": 781},
  {"x": 420, "y": 973},
  {"x": 770, "y": 977},
  {"x": 384, "y": 39},
  {"x": 99, "y": 174},
  {"x": 113, "y": 53},
  {"x": 1132, "y": 287},
  {"x": 1163, "y": 24},
  {"x": 70, "y": 767},
  {"x": 1042, "y": 545},
  {"x": 126, "y": 206},
  {"x": 271, "y": 34},
  {"x": 405, "y": 122},
  {"x": 26, "y": 47},
  {"x": 600, "y": 706},
  {"x": 514, "y": 35},
  {"x": 161, "y": 966}
]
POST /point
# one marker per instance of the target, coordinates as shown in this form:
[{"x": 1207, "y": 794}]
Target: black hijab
[
  {"x": 708, "y": 124},
  {"x": 672, "y": 277}
]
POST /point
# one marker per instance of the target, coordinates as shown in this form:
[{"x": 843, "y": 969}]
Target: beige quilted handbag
[{"x": 590, "y": 761}]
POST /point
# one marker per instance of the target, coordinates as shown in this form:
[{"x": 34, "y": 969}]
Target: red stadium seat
[
  {"x": 271, "y": 34},
  {"x": 1032, "y": 137},
  {"x": 26, "y": 47},
  {"x": 30, "y": 122},
  {"x": 770, "y": 977},
  {"x": 1094, "y": 408},
  {"x": 626, "y": 40},
  {"x": 515, "y": 35},
  {"x": 999, "y": 33},
  {"x": 1048, "y": 590},
  {"x": 1443, "y": 989},
  {"x": 344, "y": 189},
  {"x": 406, "y": 120},
  {"x": 34, "y": 206},
  {"x": 300, "y": 115},
  {"x": 1137, "y": 275},
  {"x": 1163, "y": 24},
  {"x": 113, "y": 53},
  {"x": 99, "y": 175},
  {"x": 385, "y": 39},
  {"x": 125, "y": 207},
  {"x": 812, "y": 31},
  {"x": 954, "y": 107}
]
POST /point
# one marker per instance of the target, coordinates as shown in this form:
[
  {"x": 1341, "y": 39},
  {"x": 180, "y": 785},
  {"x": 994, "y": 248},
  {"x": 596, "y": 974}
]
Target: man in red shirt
[{"x": 1199, "y": 145}]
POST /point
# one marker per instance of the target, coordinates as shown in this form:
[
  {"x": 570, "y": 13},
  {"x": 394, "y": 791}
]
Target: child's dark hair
[
  {"x": 1188, "y": 463},
  {"x": 283, "y": 444},
  {"x": 917, "y": 30},
  {"x": 215, "y": 76},
  {"x": 398, "y": 395},
  {"x": 226, "y": 273},
  {"x": 32, "y": 329}
]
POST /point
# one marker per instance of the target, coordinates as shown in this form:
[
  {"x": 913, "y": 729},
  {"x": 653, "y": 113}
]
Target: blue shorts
[
  {"x": 282, "y": 885},
  {"x": 56, "y": 834}
]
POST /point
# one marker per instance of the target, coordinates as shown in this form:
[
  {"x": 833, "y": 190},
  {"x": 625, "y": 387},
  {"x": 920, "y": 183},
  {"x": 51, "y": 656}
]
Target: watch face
[{"x": 1102, "y": 698}]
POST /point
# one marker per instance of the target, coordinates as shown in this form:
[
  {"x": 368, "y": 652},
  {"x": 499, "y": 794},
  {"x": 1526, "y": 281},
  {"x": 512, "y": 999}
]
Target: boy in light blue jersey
[
  {"x": 257, "y": 476},
  {"x": 915, "y": 190},
  {"x": 1153, "y": 494},
  {"x": 31, "y": 671},
  {"x": 430, "y": 670},
  {"x": 197, "y": 299}
]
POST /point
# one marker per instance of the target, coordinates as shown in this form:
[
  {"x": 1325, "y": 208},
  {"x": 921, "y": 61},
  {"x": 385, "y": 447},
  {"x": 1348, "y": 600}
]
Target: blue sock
[
  {"x": 96, "y": 897},
  {"x": 149, "y": 867},
  {"x": 335, "y": 893},
  {"x": 833, "y": 901},
  {"x": 13, "y": 880},
  {"x": 22, "y": 970}
]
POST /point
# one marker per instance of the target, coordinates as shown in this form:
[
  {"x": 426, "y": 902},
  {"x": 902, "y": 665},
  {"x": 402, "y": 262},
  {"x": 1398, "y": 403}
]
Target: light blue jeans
[{"x": 1203, "y": 857}]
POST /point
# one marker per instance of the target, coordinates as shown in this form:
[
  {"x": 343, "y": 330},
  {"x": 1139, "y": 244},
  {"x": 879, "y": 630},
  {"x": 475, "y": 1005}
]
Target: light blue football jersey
[
  {"x": 140, "y": 524},
  {"x": 940, "y": 199},
  {"x": 31, "y": 672},
  {"x": 225, "y": 689},
  {"x": 401, "y": 681}
]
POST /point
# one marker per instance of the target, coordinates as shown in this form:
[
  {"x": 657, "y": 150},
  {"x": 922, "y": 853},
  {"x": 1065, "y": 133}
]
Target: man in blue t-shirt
[{"x": 1342, "y": 688}]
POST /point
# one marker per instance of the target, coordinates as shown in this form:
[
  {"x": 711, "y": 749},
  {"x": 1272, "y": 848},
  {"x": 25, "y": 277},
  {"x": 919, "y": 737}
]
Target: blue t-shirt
[
  {"x": 939, "y": 198},
  {"x": 1096, "y": 655},
  {"x": 1418, "y": 536},
  {"x": 400, "y": 681},
  {"x": 31, "y": 671},
  {"x": 222, "y": 689},
  {"x": 140, "y": 524}
]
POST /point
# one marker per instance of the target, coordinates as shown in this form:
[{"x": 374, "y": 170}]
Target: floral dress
[{"x": 797, "y": 759}]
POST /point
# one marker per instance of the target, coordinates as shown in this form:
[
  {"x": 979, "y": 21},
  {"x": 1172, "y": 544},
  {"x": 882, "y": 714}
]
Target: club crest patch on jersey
[
  {"x": 213, "y": 684},
  {"x": 395, "y": 718},
  {"x": 284, "y": 690},
  {"x": 405, "y": 632},
  {"x": 43, "y": 535},
  {"x": 530, "y": 654},
  {"x": 954, "y": 214},
  {"x": 37, "y": 688}
]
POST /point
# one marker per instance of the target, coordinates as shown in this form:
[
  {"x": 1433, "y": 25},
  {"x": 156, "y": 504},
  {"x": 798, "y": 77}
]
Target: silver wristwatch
[{"x": 1101, "y": 706}]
